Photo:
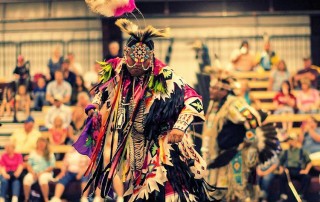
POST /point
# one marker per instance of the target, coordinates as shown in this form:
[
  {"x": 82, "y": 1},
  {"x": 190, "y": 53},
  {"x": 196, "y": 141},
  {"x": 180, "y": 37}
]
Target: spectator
[
  {"x": 68, "y": 75},
  {"x": 83, "y": 100},
  {"x": 307, "y": 72},
  {"x": 74, "y": 167},
  {"x": 298, "y": 163},
  {"x": 75, "y": 67},
  {"x": 245, "y": 93},
  {"x": 78, "y": 88},
  {"x": 278, "y": 76},
  {"x": 25, "y": 139},
  {"x": 59, "y": 87},
  {"x": 54, "y": 63},
  {"x": 39, "y": 94},
  {"x": 40, "y": 166},
  {"x": 11, "y": 167},
  {"x": 58, "y": 134},
  {"x": 22, "y": 72},
  {"x": 23, "y": 100},
  {"x": 285, "y": 102},
  {"x": 113, "y": 50},
  {"x": 91, "y": 78},
  {"x": 242, "y": 59},
  {"x": 308, "y": 98},
  {"x": 266, "y": 173},
  {"x": 77, "y": 124},
  {"x": 58, "y": 109},
  {"x": 7, "y": 102},
  {"x": 268, "y": 56},
  {"x": 310, "y": 137}
]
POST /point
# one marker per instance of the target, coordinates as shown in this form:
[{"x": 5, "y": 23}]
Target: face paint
[{"x": 138, "y": 56}]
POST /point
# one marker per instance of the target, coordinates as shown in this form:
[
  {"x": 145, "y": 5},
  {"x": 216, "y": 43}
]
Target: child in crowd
[
  {"x": 7, "y": 102},
  {"x": 23, "y": 101},
  {"x": 11, "y": 167},
  {"x": 39, "y": 94},
  {"x": 58, "y": 134},
  {"x": 285, "y": 102}
]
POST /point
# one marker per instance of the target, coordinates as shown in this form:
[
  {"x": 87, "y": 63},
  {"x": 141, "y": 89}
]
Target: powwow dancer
[
  {"x": 149, "y": 110},
  {"x": 235, "y": 140}
]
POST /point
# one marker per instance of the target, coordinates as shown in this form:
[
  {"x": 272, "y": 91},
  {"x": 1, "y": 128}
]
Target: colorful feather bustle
[
  {"x": 145, "y": 34},
  {"x": 111, "y": 8}
]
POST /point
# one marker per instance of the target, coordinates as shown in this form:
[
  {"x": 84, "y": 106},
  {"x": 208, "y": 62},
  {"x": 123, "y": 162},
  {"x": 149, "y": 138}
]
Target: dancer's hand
[
  {"x": 175, "y": 136},
  {"x": 90, "y": 112}
]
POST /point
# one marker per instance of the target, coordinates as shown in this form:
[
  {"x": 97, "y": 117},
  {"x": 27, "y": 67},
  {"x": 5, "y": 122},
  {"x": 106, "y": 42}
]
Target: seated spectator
[
  {"x": 113, "y": 50},
  {"x": 23, "y": 100},
  {"x": 242, "y": 59},
  {"x": 285, "y": 102},
  {"x": 265, "y": 172},
  {"x": 74, "y": 167},
  {"x": 75, "y": 67},
  {"x": 296, "y": 160},
  {"x": 91, "y": 77},
  {"x": 308, "y": 98},
  {"x": 39, "y": 94},
  {"x": 78, "y": 117},
  {"x": 77, "y": 88},
  {"x": 58, "y": 109},
  {"x": 7, "y": 102},
  {"x": 310, "y": 137},
  {"x": 11, "y": 167},
  {"x": 278, "y": 76},
  {"x": 83, "y": 100},
  {"x": 68, "y": 75},
  {"x": 58, "y": 134},
  {"x": 40, "y": 166},
  {"x": 307, "y": 72},
  {"x": 58, "y": 87},
  {"x": 77, "y": 124},
  {"x": 54, "y": 63},
  {"x": 22, "y": 72},
  {"x": 245, "y": 93},
  {"x": 25, "y": 138}
]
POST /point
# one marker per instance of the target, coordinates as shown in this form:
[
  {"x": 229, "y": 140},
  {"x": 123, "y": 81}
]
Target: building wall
[{"x": 33, "y": 29}]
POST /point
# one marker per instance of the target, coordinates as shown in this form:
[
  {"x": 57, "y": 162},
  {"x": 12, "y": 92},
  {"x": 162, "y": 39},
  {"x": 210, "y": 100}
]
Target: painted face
[{"x": 138, "y": 58}]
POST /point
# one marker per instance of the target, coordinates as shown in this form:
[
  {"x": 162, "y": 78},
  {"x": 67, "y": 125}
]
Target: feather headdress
[
  {"x": 111, "y": 8},
  {"x": 141, "y": 35}
]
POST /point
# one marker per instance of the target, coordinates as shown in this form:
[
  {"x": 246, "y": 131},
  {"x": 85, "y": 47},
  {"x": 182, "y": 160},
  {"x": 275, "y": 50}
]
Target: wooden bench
[
  {"x": 293, "y": 117},
  {"x": 267, "y": 95},
  {"x": 252, "y": 75},
  {"x": 258, "y": 84}
]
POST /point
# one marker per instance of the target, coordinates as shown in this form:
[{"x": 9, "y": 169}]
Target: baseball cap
[{"x": 29, "y": 119}]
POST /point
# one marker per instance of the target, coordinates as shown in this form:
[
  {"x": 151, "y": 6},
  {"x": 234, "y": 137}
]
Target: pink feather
[{"x": 125, "y": 9}]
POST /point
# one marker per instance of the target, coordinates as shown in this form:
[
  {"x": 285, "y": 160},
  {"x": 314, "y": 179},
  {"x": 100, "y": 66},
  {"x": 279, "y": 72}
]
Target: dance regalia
[
  {"x": 142, "y": 112},
  {"x": 235, "y": 142}
]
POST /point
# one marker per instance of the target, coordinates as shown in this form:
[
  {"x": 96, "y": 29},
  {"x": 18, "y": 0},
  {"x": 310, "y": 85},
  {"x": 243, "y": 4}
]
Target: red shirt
[
  {"x": 281, "y": 99},
  {"x": 11, "y": 163}
]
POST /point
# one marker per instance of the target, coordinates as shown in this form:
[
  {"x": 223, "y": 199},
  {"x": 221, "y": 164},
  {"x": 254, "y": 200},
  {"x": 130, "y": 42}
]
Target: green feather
[{"x": 106, "y": 71}]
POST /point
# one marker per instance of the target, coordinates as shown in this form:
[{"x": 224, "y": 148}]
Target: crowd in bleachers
[
  {"x": 294, "y": 94},
  {"x": 62, "y": 95},
  {"x": 64, "y": 92}
]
